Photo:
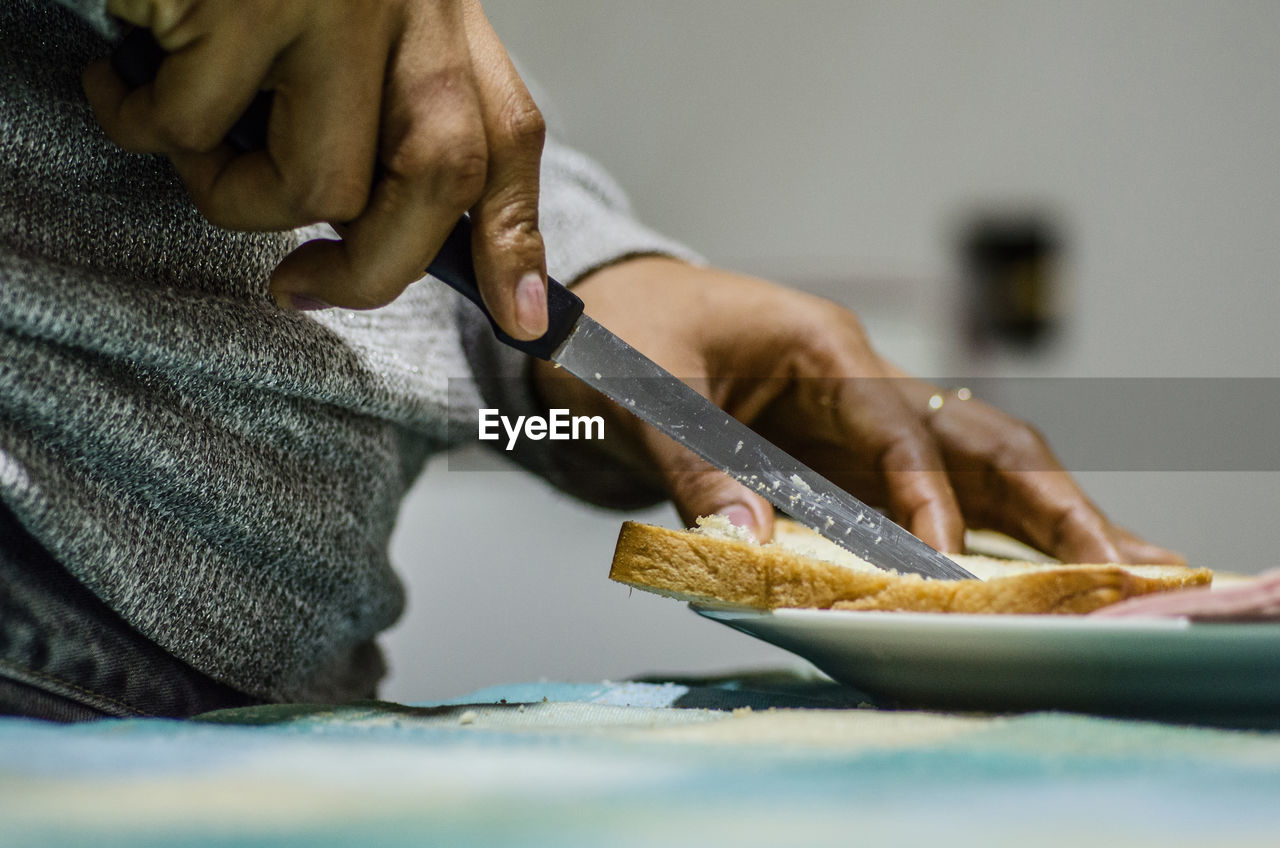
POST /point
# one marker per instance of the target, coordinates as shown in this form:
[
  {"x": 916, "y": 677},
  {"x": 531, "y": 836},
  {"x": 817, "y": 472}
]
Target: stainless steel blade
[{"x": 607, "y": 363}]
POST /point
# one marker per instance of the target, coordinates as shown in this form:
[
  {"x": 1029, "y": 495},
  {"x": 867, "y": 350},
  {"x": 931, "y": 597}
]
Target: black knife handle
[
  {"x": 453, "y": 267},
  {"x": 136, "y": 60}
]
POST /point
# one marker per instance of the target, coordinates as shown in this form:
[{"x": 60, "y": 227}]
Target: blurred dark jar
[{"x": 1012, "y": 281}]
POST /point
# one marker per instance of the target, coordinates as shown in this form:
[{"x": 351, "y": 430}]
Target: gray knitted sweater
[{"x": 222, "y": 473}]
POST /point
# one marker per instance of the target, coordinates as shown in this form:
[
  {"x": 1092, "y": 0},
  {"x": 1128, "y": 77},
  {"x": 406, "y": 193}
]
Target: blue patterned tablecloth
[{"x": 769, "y": 760}]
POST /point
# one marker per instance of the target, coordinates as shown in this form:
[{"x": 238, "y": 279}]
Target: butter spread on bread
[{"x": 717, "y": 562}]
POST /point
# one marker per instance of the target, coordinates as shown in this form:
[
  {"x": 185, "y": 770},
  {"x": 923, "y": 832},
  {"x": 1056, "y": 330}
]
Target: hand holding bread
[{"x": 801, "y": 372}]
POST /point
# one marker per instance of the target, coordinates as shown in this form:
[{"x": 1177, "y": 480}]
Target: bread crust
[{"x": 696, "y": 567}]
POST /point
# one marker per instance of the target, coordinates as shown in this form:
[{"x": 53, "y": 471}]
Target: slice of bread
[{"x": 799, "y": 568}]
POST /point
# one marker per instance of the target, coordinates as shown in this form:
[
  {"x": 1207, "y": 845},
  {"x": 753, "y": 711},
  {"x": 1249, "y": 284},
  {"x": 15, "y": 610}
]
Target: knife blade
[
  {"x": 614, "y": 368},
  {"x": 642, "y": 387},
  {"x": 608, "y": 364}
]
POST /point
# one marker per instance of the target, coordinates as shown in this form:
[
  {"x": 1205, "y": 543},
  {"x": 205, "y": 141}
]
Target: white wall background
[{"x": 832, "y": 145}]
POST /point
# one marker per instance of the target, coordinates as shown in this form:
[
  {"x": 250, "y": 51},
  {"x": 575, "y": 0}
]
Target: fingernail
[
  {"x": 741, "y": 516},
  {"x": 307, "y": 304},
  {"x": 531, "y": 304}
]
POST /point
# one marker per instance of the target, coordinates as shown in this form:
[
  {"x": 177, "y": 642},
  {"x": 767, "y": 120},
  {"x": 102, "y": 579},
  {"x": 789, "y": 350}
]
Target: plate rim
[{"x": 995, "y": 621}]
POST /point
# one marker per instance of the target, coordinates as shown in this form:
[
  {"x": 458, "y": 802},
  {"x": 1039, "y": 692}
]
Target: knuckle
[
  {"x": 216, "y": 214},
  {"x": 334, "y": 197},
  {"x": 153, "y": 14},
  {"x": 832, "y": 339},
  {"x": 186, "y": 132},
  {"x": 1075, "y": 521},
  {"x": 509, "y": 220},
  {"x": 903, "y": 451},
  {"x": 839, "y": 314},
  {"x": 164, "y": 15},
  {"x": 818, "y": 355},
  {"x": 1021, "y": 448},
  {"x": 462, "y": 171},
  {"x": 125, "y": 139},
  {"x": 438, "y": 138},
  {"x": 371, "y": 292},
  {"x": 371, "y": 299},
  {"x": 454, "y": 162},
  {"x": 210, "y": 211},
  {"x": 521, "y": 124},
  {"x": 832, "y": 314}
]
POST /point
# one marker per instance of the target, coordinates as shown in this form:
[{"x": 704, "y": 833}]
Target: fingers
[
  {"x": 1048, "y": 510},
  {"x": 459, "y": 133},
  {"x": 434, "y": 164},
  {"x": 919, "y": 494},
  {"x": 199, "y": 91},
  {"x": 842, "y": 416},
  {"x": 322, "y": 140},
  {"x": 1044, "y": 508},
  {"x": 1007, "y": 478},
  {"x": 508, "y": 250},
  {"x": 390, "y": 121},
  {"x": 1061, "y": 520},
  {"x": 871, "y": 418},
  {"x": 322, "y": 133},
  {"x": 156, "y": 15}
]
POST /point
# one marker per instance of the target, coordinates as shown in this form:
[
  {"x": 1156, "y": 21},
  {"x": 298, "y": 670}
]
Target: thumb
[
  {"x": 510, "y": 258},
  {"x": 697, "y": 489}
]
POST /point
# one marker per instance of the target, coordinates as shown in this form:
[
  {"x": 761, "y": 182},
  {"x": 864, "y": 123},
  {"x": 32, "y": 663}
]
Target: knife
[{"x": 605, "y": 362}]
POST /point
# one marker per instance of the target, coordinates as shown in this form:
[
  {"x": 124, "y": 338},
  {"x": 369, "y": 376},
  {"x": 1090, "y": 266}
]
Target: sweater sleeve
[
  {"x": 95, "y": 13},
  {"x": 587, "y": 224}
]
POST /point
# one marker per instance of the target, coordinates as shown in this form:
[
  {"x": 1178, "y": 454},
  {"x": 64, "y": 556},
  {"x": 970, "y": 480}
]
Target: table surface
[{"x": 772, "y": 759}]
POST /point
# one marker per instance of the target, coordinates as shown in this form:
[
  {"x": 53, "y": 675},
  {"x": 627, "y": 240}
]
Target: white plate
[{"x": 1156, "y": 667}]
